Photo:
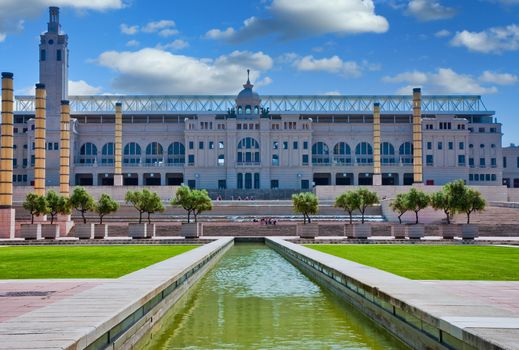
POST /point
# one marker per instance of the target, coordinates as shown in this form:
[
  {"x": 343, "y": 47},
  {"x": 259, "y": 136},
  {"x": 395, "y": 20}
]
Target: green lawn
[
  {"x": 81, "y": 262},
  {"x": 429, "y": 262}
]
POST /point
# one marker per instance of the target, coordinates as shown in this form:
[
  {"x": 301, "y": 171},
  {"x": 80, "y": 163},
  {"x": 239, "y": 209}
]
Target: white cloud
[
  {"x": 442, "y": 33},
  {"x": 177, "y": 44},
  {"x": 2, "y": 37},
  {"x": 168, "y": 32},
  {"x": 498, "y": 78},
  {"x": 129, "y": 30},
  {"x": 12, "y": 12},
  {"x": 333, "y": 64},
  {"x": 290, "y": 19},
  {"x": 133, "y": 43},
  {"x": 333, "y": 93},
  {"x": 81, "y": 87},
  {"x": 156, "y": 26},
  {"x": 492, "y": 40},
  {"x": 429, "y": 10},
  {"x": 152, "y": 70},
  {"x": 443, "y": 81}
]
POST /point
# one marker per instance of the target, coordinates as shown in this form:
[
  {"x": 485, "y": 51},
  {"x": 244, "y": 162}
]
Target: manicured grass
[
  {"x": 81, "y": 262},
  {"x": 430, "y": 262}
]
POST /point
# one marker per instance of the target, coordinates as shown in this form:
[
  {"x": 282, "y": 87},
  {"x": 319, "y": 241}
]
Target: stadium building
[{"x": 250, "y": 141}]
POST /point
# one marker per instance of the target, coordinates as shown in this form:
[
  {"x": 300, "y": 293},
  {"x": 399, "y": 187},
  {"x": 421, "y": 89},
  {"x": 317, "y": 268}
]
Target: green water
[{"x": 255, "y": 299}]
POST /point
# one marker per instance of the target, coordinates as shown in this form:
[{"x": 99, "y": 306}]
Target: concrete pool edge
[
  {"x": 421, "y": 316},
  {"x": 113, "y": 314}
]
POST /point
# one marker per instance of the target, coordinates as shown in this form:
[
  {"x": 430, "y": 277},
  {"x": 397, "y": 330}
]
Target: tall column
[
  {"x": 417, "y": 136},
  {"x": 64, "y": 153},
  {"x": 39, "y": 141},
  {"x": 118, "y": 171},
  {"x": 377, "y": 173},
  {"x": 7, "y": 213}
]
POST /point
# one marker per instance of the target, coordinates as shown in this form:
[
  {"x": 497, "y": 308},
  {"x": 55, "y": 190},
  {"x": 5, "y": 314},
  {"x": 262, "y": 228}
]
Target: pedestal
[
  {"x": 7, "y": 224},
  {"x": 377, "y": 179},
  {"x": 118, "y": 180},
  {"x": 65, "y": 225}
]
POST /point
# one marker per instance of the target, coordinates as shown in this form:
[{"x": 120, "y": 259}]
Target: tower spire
[
  {"x": 53, "y": 25},
  {"x": 248, "y": 85}
]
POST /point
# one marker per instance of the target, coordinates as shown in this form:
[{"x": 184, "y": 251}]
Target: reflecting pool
[{"x": 255, "y": 299}]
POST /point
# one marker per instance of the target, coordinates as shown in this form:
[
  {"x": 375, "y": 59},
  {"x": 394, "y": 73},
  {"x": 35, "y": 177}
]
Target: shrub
[
  {"x": 366, "y": 199},
  {"x": 104, "y": 206},
  {"x": 35, "y": 205},
  {"x": 82, "y": 201},
  {"x": 57, "y": 204},
  {"x": 305, "y": 203},
  {"x": 349, "y": 201},
  {"x": 400, "y": 205}
]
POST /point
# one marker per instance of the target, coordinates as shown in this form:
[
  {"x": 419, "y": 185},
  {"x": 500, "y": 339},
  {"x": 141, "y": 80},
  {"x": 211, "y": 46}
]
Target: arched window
[
  {"x": 342, "y": 153},
  {"x": 154, "y": 153},
  {"x": 406, "y": 153},
  {"x": 256, "y": 110},
  {"x": 239, "y": 110},
  {"x": 176, "y": 153},
  {"x": 132, "y": 153},
  {"x": 387, "y": 153},
  {"x": 221, "y": 160},
  {"x": 87, "y": 153},
  {"x": 248, "y": 152},
  {"x": 107, "y": 153},
  {"x": 320, "y": 153},
  {"x": 247, "y": 110},
  {"x": 364, "y": 153}
]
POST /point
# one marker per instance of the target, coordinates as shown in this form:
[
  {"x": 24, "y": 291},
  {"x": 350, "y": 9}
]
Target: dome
[
  {"x": 247, "y": 98},
  {"x": 248, "y": 94}
]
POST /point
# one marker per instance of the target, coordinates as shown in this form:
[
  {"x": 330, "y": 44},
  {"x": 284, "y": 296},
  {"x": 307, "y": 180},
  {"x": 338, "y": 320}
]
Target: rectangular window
[
  {"x": 56, "y": 146},
  {"x": 201, "y": 145},
  {"x": 471, "y": 177},
  {"x": 43, "y": 55},
  {"x": 222, "y": 184},
  {"x": 481, "y": 162},
  {"x": 305, "y": 159},
  {"x": 451, "y": 145},
  {"x": 211, "y": 145},
  {"x": 25, "y": 178},
  {"x": 25, "y": 162},
  {"x": 504, "y": 162},
  {"x": 305, "y": 184},
  {"x": 274, "y": 184},
  {"x": 238, "y": 126},
  {"x": 461, "y": 160},
  {"x": 429, "y": 145},
  {"x": 471, "y": 162},
  {"x": 191, "y": 159},
  {"x": 440, "y": 145},
  {"x": 493, "y": 130},
  {"x": 49, "y": 146},
  {"x": 220, "y": 144},
  {"x": 275, "y": 145},
  {"x": 429, "y": 160},
  {"x": 33, "y": 159},
  {"x": 481, "y": 130},
  {"x": 461, "y": 145},
  {"x": 15, "y": 163},
  {"x": 191, "y": 145},
  {"x": 191, "y": 183},
  {"x": 285, "y": 144},
  {"x": 58, "y": 55},
  {"x": 295, "y": 145},
  {"x": 256, "y": 180},
  {"x": 493, "y": 162},
  {"x": 517, "y": 162},
  {"x": 305, "y": 145}
]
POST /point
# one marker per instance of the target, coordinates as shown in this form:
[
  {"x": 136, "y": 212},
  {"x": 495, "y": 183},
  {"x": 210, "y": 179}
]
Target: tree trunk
[
  {"x": 149, "y": 219},
  {"x": 304, "y": 219},
  {"x": 362, "y": 212},
  {"x": 32, "y": 219},
  {"x": 140, "y": 217},
  {"x": 83, "y": 216},
  {"x": 351, "y": 217},
  {"x": 51, "y": 218},
  {"x": 100, "y": 219},
  {"x": 400, "y": 218},
  {"x": 468, "y": 217},
  {"x": 188, "y": 216},
  {"x": 416, "y": 215},
  {"x": 309, "y": 220},
  {"x": 448, "y": 217}
]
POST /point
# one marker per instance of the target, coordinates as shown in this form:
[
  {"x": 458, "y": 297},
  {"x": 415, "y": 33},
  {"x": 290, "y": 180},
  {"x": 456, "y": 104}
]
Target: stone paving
[{"x": 18, "y": 297}]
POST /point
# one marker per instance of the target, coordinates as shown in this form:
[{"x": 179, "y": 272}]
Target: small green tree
[
  {"x": 417, "y": 200},
  {"x": 184, "y": 199},
  {"x": 151, "y": 203},
  {"x": 35, "y": 205},
  {"x": 451, "y": 199},
  {"x": 82, "y": 201},
  {"x": 440, "y": 201},
  {"x": 305, "y": 203},
  {"x": 57, "y": 204},
  {"x": 104, "y": 206},
  {"x": 135, "y": 199},
  {"x": 400, "y": 205},
  {"x": 473, "y": 202},
  {"x": 201, "y": 202},
  {"x": 366, "y": 199},
  {"x": 349, "y": 201}
]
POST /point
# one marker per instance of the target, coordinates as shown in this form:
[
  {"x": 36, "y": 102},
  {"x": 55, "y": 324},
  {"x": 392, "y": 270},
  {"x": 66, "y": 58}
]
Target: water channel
[{"x": 255, "y": 299}]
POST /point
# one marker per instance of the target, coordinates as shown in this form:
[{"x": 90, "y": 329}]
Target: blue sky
[{"x": 292, "y": 47}]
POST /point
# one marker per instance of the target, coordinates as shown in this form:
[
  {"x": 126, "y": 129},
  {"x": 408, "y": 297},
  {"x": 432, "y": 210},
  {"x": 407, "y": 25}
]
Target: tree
[
  {"x": 192, "y": 201},
  {"x": 201, "y": 202},
  {"x": 349, "y": 201},
  {"x": 152, "y": 203},
  {"x": 57, "y": 204},
  {"x": 440, "y": 201},
  {"x": 104, "y": 206},
  {"x": 450, "y": 199},
  {"x": 82, "y": 201},
  {"x": 366, "y": 199},
  {"x": 400, "y": 205},
  {"x": 35, "y": 204},
  {"x": 184, "y": 199},
  {"x": 135, "y": 198},
  {"x": 305, "y": 203},
  {"x": 417, "y": 200},
  {"x": 472, "y": 202}
]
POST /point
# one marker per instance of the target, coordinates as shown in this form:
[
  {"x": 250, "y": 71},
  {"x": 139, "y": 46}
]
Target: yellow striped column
[
  {"x": 6, "y": 154},
  {"x": 39, "y": 141},
  {"x": 118, "y": 171},
  {"x": 417, "y": 136},
  {"x": 7, "y": 213},
  {"x": 64, "y": 153},
  {"x": 377, "y": 173}
]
